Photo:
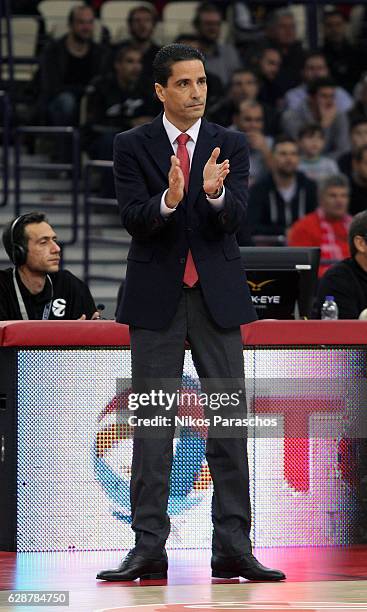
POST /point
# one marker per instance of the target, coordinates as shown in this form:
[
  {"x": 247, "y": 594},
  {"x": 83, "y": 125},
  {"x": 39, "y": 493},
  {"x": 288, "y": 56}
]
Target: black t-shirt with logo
[{"x": 70, "y": 298}]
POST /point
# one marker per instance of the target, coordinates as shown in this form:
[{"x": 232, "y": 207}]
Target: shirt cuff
[
  {"x": 165, "y": 210},
  {"x": 217, "y": 203}
]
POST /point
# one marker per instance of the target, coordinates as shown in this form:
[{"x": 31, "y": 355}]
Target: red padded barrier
[
  {"x": 109, "y": 333},
  {"x": 63, "y": 333},
  {"x": 273, "y": 332}
]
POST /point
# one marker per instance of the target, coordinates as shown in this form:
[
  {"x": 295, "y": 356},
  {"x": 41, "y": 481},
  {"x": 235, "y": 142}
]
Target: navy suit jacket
[{"x": 159, "y": 246}]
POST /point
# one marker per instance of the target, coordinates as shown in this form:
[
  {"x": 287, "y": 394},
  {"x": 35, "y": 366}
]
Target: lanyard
[{"x": 23, "y": 310}]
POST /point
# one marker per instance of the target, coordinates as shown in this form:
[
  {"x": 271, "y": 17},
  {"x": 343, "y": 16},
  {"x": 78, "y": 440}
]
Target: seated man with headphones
[{"x": 35, "y": 288}]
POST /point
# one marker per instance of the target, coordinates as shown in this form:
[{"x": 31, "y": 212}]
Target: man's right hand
[{"x": 176, "y": 184}]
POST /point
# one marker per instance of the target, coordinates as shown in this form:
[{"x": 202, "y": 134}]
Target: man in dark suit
[{"x": 181, "y": 183}]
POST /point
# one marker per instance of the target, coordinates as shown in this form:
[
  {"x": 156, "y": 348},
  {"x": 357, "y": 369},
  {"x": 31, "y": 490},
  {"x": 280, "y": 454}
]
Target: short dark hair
[
  {"x": 358, "y": 227},
  {"x": 18, "y": 235},
  {"x": 77, "y": 8},
  {"x": 282, "y": 138},
  {"x": 268, "y": 47},
  {"x": 310, "y": 54},
  {"x": 205, "y": 7},
  {"x": 359, "y": 154},
  {"x": 169, "y": 55},
  {"x": 124, "y": 50},
  {"x": 143, "y": 8},
  {"x": 357, "y": 121},
  {"x": 247, "y": 70},
  {"x": 247, "y": 104},
  {"x": 310, "y": 129},
  {"x": 317, "y": 84}
]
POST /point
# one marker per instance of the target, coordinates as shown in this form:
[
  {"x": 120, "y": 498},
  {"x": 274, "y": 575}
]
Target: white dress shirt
[{"x": 193, "y": 132}]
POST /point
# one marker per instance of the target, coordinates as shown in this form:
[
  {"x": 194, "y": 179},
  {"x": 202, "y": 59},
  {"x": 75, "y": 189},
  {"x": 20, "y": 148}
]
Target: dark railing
[
  {"x": 73, "y": 167},
  {"x": 5, "y": 19},
  {"x": 91, "y": 200},
  {"x": 6, "y": 113}
]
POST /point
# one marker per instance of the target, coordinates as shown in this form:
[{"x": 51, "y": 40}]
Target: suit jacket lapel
[
  {"x": 205, "y": 144},
  {"x": 158, "y": 145}
]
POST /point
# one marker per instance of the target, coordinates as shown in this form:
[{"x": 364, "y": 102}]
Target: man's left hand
[{"x": 214, "y": 174}]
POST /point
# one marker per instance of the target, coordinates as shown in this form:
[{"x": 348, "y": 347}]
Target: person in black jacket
[
  {"x": 283, "y": 196},
  {"x": 116, "y": 102},
  {"x": 35, "y": 288},
  {"x": 67, "y": 65},
  {"x": 358, "y": 181},
  {"x": 347, "y": 280},
  {"x": 346, "y": 59},
  {"x": 182, "y": 204}
]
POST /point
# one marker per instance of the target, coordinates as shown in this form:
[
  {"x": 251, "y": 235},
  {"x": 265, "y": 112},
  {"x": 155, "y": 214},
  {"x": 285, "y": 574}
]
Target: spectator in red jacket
[{"x": 328, "y": 226}]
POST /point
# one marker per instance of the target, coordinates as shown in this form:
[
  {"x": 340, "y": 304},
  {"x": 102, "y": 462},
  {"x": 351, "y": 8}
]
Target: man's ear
[
  {"x": 159, "y": 90},
  {"x": 360, "y": 244}
]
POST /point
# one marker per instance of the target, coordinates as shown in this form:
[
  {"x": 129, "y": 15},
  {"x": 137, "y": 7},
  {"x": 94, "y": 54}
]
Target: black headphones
[{"x": 18, "y": 251}]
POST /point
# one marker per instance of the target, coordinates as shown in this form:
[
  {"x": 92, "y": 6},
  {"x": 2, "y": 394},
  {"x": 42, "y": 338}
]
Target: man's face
[
  {"x": 83, "y": 24},
  {"x": 360, "y": 167},
  {"x": 244, "y": 86},
  {"x": 311, "y": 145},
  {"x": 334, "y": 28},
  {"x": 359, "y": 136},
  {"x": 315, "y": 68},
  {"x": 284, "y": 31},
  {"x": 286, "y": 158},
  {"x": 270, "y": 63},
  {"x": 142, "y": 25},
  {"x": 325, "y": 97},
  {"x": 129, "y": 67},
  {"x": 250, "y": 120},
  {"x": 43, "y": 251},
  {"x": 334, "y": 202},
  {"x": 184, "y": 96},
  {"x": 209, "y": 26}
]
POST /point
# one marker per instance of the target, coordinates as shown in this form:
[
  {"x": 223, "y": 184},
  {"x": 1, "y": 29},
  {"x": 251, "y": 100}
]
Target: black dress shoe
[
  {"x": 246, "y": 567},
  {"x": 136, "y": 566}
]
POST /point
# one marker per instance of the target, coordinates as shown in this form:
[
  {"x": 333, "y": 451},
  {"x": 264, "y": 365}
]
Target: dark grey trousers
[{"x": 216, "y": 353}]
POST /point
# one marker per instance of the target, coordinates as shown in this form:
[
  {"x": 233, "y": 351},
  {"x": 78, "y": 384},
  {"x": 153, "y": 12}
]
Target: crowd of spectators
[{"x": 304, "y": 112}]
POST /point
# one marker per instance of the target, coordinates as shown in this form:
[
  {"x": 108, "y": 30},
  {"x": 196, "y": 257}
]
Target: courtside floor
[{"x": 318, "y": 579}]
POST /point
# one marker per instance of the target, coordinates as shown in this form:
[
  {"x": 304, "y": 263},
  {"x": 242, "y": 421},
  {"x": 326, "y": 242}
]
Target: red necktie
[{"x": 190, "y": 274}]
